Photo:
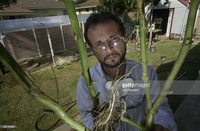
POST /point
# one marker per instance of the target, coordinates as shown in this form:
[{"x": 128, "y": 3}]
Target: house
[
  {"x": 14, "y": 13},
  {"x": 88, "y": 7},
  {"x": 172, "y": 17},
  {"x": 42, "y": 8},
  {"x": 38, "y": 8}
]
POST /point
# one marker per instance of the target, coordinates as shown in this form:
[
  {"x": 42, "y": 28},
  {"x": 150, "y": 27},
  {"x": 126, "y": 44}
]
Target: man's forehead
[
  {"x": 103, "y": 31},
  {"x": 108, "y": 22}
]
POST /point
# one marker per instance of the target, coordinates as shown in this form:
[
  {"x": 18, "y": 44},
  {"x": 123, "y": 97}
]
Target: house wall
[
  {"x": 179, "y": 20},
  {"x": 86, "y": 11},
  {"x": 177, "y": 27},
  {"x": 89, "y": 10},
  {"x": 46, "y": 12}
]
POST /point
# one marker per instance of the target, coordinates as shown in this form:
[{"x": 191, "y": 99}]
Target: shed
[
  {"x": 34, "y": 37},
  {"x": 171, "y": 17}
]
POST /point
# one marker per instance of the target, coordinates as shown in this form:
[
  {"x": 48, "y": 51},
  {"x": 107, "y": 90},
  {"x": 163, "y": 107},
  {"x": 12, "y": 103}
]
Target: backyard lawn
[{"x": 18, "y": 108}]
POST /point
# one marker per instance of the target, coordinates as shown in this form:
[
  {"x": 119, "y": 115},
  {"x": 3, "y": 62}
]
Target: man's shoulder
[
  {"x": 137, "y": 66},
  {"x": 96, "y": 68}
]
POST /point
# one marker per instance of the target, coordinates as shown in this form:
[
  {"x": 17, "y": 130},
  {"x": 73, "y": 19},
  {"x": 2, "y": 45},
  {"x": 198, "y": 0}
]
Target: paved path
[
  {"x": 65, "y": 127},
  {"x": 187, "y": 115}
]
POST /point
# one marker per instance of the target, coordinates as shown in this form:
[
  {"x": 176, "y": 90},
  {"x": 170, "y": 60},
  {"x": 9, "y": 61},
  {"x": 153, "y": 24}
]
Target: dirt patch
[
  {"x": 32, "y": 65},
  {"x": 44, "y": 62}
]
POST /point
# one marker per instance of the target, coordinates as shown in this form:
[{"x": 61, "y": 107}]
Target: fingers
[
  {"x": 142, "y": 122},
  {"x": 159, "y": 128},
  {"x": 156, "y": 126}
]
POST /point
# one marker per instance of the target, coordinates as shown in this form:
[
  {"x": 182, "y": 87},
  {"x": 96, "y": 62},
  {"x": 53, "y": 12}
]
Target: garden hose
[{"x": 39, "y": 119}]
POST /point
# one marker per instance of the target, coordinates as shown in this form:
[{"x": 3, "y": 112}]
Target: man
[{"x": 104, "y": 33}]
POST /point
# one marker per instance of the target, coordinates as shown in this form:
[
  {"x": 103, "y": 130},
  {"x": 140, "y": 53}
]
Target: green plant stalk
[
  {"x": 181, "y": 57},
  {"x": 82, "y": 50},
  {"x": 144, "y": 51},
  {"x": 35, "y": 91},
  {"x": 144, "y": 68},
  {"x": 141, "y": 128}
]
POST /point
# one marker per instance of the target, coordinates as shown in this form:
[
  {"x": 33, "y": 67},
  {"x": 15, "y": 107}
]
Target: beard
[{"x": 114, "y": 63}]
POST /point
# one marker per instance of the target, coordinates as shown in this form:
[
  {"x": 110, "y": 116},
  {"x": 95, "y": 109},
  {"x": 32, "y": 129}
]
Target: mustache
[{"x": 110, "y": 55}]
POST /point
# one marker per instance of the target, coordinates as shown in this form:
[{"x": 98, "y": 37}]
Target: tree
[
  {"x": 123, "y": 6},
  {"x": 6, "y": 3}
]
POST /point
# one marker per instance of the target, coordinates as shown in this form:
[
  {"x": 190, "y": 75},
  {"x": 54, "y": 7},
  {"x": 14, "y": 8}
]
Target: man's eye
[
  {"x": 98, "y": 44},
  {"x": 114, "y": 39}
]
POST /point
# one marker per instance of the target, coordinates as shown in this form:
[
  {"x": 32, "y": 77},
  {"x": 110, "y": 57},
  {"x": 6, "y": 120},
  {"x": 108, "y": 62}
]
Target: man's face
[{"x": 102, "y": 33}]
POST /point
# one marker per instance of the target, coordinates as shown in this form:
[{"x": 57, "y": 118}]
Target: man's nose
[{"x": 108, "y": 47}]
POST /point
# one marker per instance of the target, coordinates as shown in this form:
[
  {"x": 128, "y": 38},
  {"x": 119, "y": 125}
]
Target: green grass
[
  {"x": 168, "y": 48},
  {"x": 18, "y": 108}
]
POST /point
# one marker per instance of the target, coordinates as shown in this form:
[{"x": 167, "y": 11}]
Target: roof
[
  {"x": 39, "y": 4},
  {"x": 15, "y": 11},
  {"x": 88, "y": 4},
  {"x": 24, "y": 7},
  {"x": 184, "y": 2},
  {"x": 42, "y": 4},
  {"x": 35, "y": 23}
]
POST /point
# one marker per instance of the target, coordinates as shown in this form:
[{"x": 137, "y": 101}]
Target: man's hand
[
  {"x": 156, "y": 127},
  {"x": 159, "y": 128}
]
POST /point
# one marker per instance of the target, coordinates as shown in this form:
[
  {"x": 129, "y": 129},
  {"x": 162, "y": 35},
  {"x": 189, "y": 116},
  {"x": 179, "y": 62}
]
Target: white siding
[
  {"x": 179, "y": 20},
  {"x": 58, "y": 12},
  {"x": 50, "y": 12},
  {"x": 169, "y": 22},
  {"x": 86, "y": 11}
]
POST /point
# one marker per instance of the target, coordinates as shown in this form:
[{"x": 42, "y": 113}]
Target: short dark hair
[{"x": 101, "y": 17}]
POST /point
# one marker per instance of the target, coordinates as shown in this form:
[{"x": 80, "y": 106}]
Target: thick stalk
[
  {"x": 141, "y": 128},
  {"x": 82, "y": 50},
  {"x": 144, "y": 68},
  {"x": 34, "y": 91},
  {"x": 144, "y": 56},
  {"x": 181, "y": 57}
]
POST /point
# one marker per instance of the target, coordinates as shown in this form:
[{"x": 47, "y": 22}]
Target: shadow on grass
[{"x": 188, "y": 72}]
